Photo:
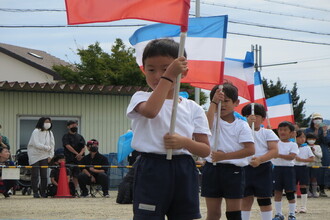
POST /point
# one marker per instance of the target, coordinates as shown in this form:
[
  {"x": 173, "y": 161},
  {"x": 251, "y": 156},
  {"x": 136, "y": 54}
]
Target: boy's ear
[{"x": 236, "y": 103}]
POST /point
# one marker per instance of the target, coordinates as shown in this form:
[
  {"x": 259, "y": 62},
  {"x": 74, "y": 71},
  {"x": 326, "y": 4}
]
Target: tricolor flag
[
  {"x": 240, "y": 73},
  {"x": 205, "y": 47},
  {"x": 259, "y": 96},
  {"x": 165, "y": 11},
  {"x": 280, "y": 109}
]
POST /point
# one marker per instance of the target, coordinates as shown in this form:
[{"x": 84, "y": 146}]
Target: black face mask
[
  {"x": 74, "y": 129},
  {"x": 93, "y": 149}
]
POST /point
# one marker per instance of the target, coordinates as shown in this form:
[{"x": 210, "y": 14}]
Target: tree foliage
[
  {"x": 272, "y": 89},
  {"x": 117, "y": 68}
]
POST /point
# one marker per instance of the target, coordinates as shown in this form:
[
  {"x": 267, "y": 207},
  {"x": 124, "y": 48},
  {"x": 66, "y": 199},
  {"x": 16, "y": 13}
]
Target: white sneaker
[{"x": 303, "y": 210}]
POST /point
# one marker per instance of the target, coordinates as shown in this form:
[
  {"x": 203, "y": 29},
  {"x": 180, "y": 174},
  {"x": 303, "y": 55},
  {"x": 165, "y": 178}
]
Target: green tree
[
  {"x": 272, "y": 89},
  {"x": 117, "y": 68}
]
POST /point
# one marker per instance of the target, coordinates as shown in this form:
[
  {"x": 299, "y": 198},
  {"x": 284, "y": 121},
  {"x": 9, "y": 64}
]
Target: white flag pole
[
  {"x": 183, "y": 37},
  {"x": 217, "y": 125}
]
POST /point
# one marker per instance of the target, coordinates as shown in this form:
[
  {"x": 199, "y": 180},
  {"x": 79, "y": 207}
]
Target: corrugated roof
[
  {"x": 70, "y": 88},
  {"x": 36, "y": 58}
]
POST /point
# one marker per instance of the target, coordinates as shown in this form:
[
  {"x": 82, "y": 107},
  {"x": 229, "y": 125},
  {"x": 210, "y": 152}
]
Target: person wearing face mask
[
  {"x": 314, "y": 174},
  {"x": 74, "y": 149},
  {"x": 320, "y": 130},
  {"x": 40, "y": 152},
  {"x": 91, "y": 175}
]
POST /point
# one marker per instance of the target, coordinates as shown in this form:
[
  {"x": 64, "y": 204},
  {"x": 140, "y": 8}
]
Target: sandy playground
[{"x": 26, "y": 207}]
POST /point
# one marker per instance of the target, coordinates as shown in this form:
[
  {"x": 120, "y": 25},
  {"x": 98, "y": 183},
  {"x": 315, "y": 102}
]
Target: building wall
[
  {"x": 14, "y": 70},
  {"x": 102, "y": 117}
]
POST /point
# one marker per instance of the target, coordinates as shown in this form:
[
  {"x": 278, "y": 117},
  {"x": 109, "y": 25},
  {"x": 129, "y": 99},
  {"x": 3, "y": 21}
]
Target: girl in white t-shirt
[{"x": 303, "y": 158}]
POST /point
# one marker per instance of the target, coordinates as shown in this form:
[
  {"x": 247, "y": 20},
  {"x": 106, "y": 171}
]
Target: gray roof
[
  {"x": 70, "y": 88},
  {"x": 35, "y": 58}
]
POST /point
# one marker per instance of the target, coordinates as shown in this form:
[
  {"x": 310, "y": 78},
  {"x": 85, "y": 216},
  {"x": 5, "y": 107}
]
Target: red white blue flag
[
  {"x": 205, "y": 47},
  {"x": 280, "y": 109}
]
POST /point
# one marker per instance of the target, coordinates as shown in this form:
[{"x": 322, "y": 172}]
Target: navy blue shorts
[
  {"x": 302, "y": 175},
  {"x": 259, "y": 180},
  {"x": 222, "y": 181},
  {"x": 166, "y": 188},
  {"x": 284, "y": 178}
]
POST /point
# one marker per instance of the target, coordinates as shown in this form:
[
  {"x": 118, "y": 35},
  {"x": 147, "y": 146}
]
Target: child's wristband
[
  {"x": 214, "y": 102},
  {"x": 168, "y": 79}
]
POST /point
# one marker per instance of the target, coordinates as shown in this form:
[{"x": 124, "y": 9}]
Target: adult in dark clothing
[
  {"x": 90, "y": 175},
  {"x": 5, "y": 185},
  {"x": 320, "y": 130},
  {"x": 74, "y": 149}
]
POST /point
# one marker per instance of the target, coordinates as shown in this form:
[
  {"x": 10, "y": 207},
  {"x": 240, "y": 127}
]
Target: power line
[
  {"x": 297, "y": 5},
  {"x": 139, "y": 25},
  {"x": 264, "y": 11},
  {"x": 277, "y": 38},
  {"x": 31, "y": 10},
  {"x": 276, "y": 27}
]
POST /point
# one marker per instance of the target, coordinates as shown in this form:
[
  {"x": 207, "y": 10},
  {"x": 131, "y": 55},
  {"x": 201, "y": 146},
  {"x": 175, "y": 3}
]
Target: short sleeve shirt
[
  {"x": 231, "y": 139},
  {"x": 304, "y": 152},
  {"x": 261, "y": 138},
  {"x": 286, "y": 148},
  {"x": 77, "y": 142},
  {"x": 149, "y": 133}
]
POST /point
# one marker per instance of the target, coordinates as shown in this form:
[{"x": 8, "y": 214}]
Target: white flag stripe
[
  {"x": 280, "y": 110},
  {"x": 211, "y": 49}
]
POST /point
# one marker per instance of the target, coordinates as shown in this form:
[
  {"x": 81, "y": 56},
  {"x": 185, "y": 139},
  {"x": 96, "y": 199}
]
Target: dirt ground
[{"x": 26, "y": 207}]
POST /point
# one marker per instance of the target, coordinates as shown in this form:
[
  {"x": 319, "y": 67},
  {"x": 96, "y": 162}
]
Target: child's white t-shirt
[
  {"x": 261, "y": 137},
  {"x": 231, "y": 139},
  {"x": 304, "y": 152},
  {"x": 148, "y": 133},
  {"x": 286, "y": 148}
]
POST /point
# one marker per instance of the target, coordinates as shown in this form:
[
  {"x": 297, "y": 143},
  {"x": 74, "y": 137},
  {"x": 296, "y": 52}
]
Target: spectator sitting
[
  {"x": 90, "y": 175},
  {"x": 5, "y": 185},
  {"x": 54, "y": 177}
]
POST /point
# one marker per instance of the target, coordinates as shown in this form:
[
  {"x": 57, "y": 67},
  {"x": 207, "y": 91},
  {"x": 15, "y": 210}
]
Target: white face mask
[
  {"x": 311, "y": 142},
  {"x": 47, "y": 125},
  {"x": 317, "y": 121}
]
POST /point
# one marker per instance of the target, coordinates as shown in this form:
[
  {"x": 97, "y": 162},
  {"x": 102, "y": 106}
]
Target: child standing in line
[
  {"x": 258, "y": 174},
  {"x": 304, "y": 157},
  {"x": 284, "y": 173},
  {"x": 225, "y": 179},
  {"x": 314, "y": 173},
  {"x": 166, "y": 187}
]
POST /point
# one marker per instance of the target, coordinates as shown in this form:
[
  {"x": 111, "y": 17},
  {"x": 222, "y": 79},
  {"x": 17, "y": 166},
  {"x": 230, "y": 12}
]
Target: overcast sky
[{"x": 292, "y": 21}]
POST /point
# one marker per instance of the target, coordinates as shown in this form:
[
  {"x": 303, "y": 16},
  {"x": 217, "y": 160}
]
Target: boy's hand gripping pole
[
  {"x": 183, "y": 36},
  {"x": 217, "y": 125}
]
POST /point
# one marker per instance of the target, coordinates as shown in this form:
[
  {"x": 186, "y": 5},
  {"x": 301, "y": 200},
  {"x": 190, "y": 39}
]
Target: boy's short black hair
[
  {"x": 161, "y": 47},
  {"x": 299, "y": 133},
  {"x": 258, "y": 110},
  {"x": 311, "y": 136},
  {"x": 229, "y": 89},
  {"x": 286, "y": 124}
]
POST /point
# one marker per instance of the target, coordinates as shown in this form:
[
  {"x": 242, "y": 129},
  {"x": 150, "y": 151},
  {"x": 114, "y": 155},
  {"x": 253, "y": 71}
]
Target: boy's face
[
  {"x": 154, "y": 68},
  {"x": 284, "y": 133},
  {"x": 227, "y": 107}
]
